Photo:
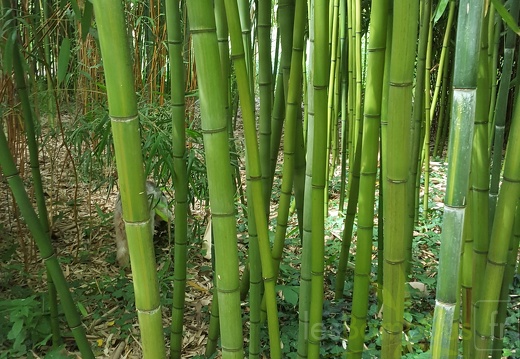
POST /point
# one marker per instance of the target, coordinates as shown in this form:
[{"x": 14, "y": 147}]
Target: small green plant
[{"x": 26, "y": 325}]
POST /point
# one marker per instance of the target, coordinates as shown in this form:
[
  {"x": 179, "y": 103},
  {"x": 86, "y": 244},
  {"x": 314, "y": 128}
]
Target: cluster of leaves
[
  {"x": 26, "y": 325},
  {"x": 90, "y": 138}
]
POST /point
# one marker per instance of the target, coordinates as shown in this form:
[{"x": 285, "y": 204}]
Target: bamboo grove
[{"x": 368, "y": 91}]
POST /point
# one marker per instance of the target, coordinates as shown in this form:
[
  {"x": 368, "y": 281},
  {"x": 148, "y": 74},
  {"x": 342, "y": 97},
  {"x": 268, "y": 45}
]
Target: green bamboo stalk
[
  {"x": 214, "y": 321},
  {"x": 244, "y": 12},
  {"x": 47, "y": 55},
  {"x": 253, "y": 161},
  {"x": 351, "y": 98},
  {"x": 122, "y": 103},
  {"x": 358, "y": 115},
  {"x": 299, "y": 168},
  {"x": 427, "y": 120},
  {"x": 466, "y": 281},
  {"x": 45, "y": 247},
  {"x": 304, "y": 299},
  {"x": 417, "y": 116},
  {"x": 382, "y": 167},
  {"x": 225, "y": 64},
  {"x": 290, "y": 136},
  {"x": 331, "y": 118},
  {"x": 350, "y": 79},
  {"x": 319, "y": 175},
  {"x": 348, "y": 229},
  {"x": 480, "y": 175},
  {"x": 214, "y": 128},
  {"x": 286, "y": 22},
  {"x": 404, "y": 33},
  {"x": 180, "y": 177},
  {"x": 10, "y": 170},
  {"x": 455, "y": 332},
  {"x": 369, "y": 159},
  {"x": 500, "y": 114},
  {"x": 264, "y": 89},
  {"x": 493, "y": 64},
  {"x": 37, "y": 182},
  {"x": 276, "y": 57},
  {"x": 292, "y": 108},
  {"x": 443, "y": 57},
  {"x": 343, "y": 101},
  {"x": 355, "y": 125},
  {"x": 380, "y": 237},
  {"x": 255, "y": 279},
  {"x": 336, "y": 108},
  {"x": 447, "y": 113},
  {"x": 498, "y": 335},
  {"x": 461, "y": 137},
  {"x": 441, "y": 123},
  {"x": 500, "y": 240},
  {"x": 19, "y": 79}
]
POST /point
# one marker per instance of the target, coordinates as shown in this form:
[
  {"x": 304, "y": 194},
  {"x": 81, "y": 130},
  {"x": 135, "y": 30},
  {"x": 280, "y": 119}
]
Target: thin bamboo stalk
[
  {"x": 253, "y": 161},
  {"x": 304, "y": 299},
  {"x": 501, "y": 236},
  {"x": 180, "y": 177},
  {"x": 441, "y": 118},
  {"x": 417, "y": 117},
  {"x": 265, "y": 92},
  {"x": 292, "y": 109},
  {"x": 321, "y": 71},
  {"x": 30, "y": 133},
  {"x": 480, "y": 176},
  {"x": 343, "y": 101},
  {"x": 369, "y": 159},
  {"x": 466, "y": 281},
  {"x": 500, "y": 114},
  {"x": 498, "y": 335},
  {"x": 45, "y": 247},
  {"x": 427, "y": 120}
]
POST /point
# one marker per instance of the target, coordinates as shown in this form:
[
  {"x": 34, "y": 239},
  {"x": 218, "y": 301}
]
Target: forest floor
[{"x": 81, "y": 216}]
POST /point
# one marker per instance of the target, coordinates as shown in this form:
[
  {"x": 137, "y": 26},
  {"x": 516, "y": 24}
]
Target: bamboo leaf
[
  {"x": 63, "y": 59},
  {"x": 16, "y": 329},
  {"x": 86, "y": 20},
  {"x": 75, "y": 8},
  {"x": 506, "y": 16},
  {"x": 8, "y": 52},
  {"x": 82, "y": 309},
  {"x": 439, "y": 11}
]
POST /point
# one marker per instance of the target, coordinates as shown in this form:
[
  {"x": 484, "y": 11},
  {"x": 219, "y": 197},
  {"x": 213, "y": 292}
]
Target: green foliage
[
  {"x": 63, "y": 59},
  {"x": 506, "y": 16},
  {"x": 439, "y": 10},
  {"x": 26, "y": 325},
  {"x": 91, "y": 141}
]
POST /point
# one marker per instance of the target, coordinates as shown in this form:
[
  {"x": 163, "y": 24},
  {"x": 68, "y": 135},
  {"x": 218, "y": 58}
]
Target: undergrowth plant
[{"x": 26, "y": 325}]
